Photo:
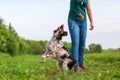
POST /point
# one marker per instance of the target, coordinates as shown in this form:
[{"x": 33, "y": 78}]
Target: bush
[{"x": 95, "y": 48}]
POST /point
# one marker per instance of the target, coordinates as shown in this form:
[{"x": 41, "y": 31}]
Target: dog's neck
[
  {"x": 56, "y": 39},
  {"x": 59, "y": 38}
]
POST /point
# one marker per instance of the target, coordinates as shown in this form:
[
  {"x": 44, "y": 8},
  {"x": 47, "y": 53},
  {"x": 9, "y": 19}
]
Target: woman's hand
[
  {"x": 81, "y": 16},
  {"x": 91, "y": 27}
]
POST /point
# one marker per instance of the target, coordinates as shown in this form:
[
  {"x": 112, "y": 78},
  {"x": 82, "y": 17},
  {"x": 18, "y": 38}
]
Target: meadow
[{"x": 102, "y": 66}]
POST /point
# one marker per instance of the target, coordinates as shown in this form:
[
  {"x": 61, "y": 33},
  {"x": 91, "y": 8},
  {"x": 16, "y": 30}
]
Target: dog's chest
[{"x": 53, "y": 44}]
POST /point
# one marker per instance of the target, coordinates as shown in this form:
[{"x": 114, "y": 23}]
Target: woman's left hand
[{"x": 91, "y": 27}]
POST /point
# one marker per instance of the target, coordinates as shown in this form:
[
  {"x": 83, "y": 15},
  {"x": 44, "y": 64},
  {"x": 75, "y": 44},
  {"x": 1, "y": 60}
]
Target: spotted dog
[{"x": 56, "y": 50}]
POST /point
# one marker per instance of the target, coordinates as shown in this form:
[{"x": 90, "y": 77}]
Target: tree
[
  {"x": 24, "y": 48},
  {"x": 12, "y": 45},
  {"x": 3, "y": 35},
  {"x": 2, "y": 44},
  {"x": 98, "y": 48},
  {"x": 1, "y": 21},
  {"x": 95, "y": 48},
  {"x": 118, "y": 49},
  {"x": 92, "y": 48},
  {"x": 86, "y": 50}
]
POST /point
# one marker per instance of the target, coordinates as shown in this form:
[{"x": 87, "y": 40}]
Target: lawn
[{"x": 103, "y": 66}]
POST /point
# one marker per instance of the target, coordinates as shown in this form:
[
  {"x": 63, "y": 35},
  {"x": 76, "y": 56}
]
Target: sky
[{"x": 36, "y": 19}]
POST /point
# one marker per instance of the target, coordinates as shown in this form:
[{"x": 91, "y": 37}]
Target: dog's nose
[{"x": 65, "y": 33}]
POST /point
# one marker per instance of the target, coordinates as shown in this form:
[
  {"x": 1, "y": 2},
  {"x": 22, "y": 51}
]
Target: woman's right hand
[{"x": 81, "y": 16}]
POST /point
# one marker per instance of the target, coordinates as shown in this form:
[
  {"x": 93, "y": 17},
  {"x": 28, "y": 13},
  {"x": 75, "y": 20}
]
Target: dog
[{"x": 56, "y": 50}]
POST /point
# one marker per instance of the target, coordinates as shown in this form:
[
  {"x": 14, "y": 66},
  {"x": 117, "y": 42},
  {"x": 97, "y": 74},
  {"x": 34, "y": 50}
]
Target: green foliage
[
  {"x": 86, "y": 50},
  {"x": 67, "y": 45},
  {"x": 42, "y": 46},
  {"x": 2, "y": 43},
  {"x": 11, "y": 43},
  {"x": 36, "y": 47},
  {"x": 95, "y": 48},
  {"x": 24, "y": 48},
  {"x": 105, "y": 66},
  {"x": 3, "y": 36},
  {"x": 118, "y": 49},
  {"x": 8, "y": 39}
]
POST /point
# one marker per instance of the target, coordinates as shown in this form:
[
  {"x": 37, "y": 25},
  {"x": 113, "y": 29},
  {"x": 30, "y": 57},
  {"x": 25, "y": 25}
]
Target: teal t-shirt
[{"x": 77, "y": 7}]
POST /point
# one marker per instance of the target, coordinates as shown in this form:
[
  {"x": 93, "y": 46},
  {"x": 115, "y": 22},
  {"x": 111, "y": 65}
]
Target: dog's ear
[
  {"x": 62, "y": 26},
  {"x": 56, "y": 30}
]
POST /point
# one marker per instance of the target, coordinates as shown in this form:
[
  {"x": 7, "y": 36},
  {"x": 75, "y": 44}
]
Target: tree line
[{"x": 13, "y": 44}]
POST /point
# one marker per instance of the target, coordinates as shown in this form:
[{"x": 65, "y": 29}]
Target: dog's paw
[{"x": 41, "y": 62}]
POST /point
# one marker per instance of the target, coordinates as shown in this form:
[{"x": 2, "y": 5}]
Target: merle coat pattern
[{"x": 56, "y": 50}]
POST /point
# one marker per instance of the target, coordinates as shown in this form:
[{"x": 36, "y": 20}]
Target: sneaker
[
  {"x": 76, "y": 68},
  {"x": 82, "y": 67}
]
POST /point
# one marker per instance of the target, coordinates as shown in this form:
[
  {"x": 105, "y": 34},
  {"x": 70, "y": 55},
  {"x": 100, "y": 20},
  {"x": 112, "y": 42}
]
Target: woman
[{"x": 77, "y": 24}]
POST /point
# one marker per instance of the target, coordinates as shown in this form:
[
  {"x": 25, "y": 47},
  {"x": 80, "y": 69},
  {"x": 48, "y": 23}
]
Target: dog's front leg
[{"x": 43, "y": 58}]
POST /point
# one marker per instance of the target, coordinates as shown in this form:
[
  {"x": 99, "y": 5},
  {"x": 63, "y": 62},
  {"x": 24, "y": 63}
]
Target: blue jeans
[{"x": 78, "y": 31}]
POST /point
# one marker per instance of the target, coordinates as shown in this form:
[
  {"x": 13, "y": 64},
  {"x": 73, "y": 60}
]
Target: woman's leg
[
  {"x": 74, "y": 33},
  {"x": 82, "y": 38}
]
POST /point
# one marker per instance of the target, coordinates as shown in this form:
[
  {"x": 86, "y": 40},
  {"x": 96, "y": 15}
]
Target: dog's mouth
[
  {"x": 59, "y": 37},
  {"x": 64, "y": 33}
]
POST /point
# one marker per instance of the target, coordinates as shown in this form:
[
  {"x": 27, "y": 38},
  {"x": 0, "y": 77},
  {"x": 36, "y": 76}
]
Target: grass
[{"x": 104, "y": 66}]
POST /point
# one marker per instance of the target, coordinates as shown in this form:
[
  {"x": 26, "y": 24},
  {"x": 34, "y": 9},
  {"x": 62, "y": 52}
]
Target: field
[{"x": 103, "y": 66}]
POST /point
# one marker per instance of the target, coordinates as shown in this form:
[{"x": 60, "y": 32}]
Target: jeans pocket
[{"x": 71, "y": 24}]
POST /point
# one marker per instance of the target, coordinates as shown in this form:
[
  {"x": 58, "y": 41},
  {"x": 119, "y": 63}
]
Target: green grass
[{"x": 104, "y": 66}]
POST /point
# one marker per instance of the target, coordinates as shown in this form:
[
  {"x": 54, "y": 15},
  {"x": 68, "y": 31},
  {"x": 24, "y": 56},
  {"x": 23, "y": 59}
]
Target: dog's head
[{"x": 59, "y": 32}]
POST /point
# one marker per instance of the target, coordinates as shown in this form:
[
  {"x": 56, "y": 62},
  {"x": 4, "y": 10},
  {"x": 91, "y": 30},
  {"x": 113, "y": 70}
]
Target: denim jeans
[{"x": 78, "y": 31}]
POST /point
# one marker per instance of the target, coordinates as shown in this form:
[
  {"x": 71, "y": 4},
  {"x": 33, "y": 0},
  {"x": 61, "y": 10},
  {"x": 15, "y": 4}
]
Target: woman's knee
[{"x": 75, "y": 43}]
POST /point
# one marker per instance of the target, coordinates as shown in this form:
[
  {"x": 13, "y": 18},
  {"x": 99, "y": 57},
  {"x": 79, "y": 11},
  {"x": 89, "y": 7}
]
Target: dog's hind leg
[
  {"x": 60, "y": 65},
  {"x": 64, "y": 66}
]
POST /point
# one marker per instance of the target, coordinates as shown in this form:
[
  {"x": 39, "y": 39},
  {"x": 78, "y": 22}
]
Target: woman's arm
[{"x": 89, "y": 12}]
